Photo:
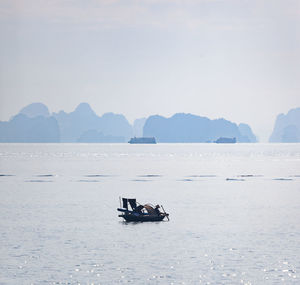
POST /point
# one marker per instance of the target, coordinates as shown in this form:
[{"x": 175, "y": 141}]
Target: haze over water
[{"x": 234, "y": 214}]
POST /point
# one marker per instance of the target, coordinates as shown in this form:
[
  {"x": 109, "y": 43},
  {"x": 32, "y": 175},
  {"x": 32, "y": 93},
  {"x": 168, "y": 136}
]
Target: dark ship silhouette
[
  {"x": 225, "y": 140},
  {"x": 142, "y": 140}
]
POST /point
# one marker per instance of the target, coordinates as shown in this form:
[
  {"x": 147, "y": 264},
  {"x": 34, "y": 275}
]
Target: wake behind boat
[{"x": 135, "y": 212}]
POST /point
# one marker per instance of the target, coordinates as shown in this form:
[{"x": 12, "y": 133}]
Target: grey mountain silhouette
[
  {"x": 287, "y": 127},
  {"x": 138, "y": 126},
  {"x": 35, "y": 124},
  {"x": 93, "y": 136},
  {"x": 246, "y": 133},
  {"x": 191, "y": 128},
  {"x": 75, "y": 125},
  {"x": 34, "y": 110},
  {"x": 22, "y": 128}
]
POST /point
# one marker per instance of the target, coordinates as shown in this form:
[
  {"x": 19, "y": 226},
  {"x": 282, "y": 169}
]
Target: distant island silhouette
[
  {"x": 287, "y": 127},
  {"x": 34, "y": 123},
  {"x": 83, "y": 125},
  {"x": 24, "y": 129},
  {"x": 188, "y": 128}
]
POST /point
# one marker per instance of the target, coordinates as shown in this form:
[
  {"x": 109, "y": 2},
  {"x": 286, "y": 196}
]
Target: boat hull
[{"x": 143, "y": 218}]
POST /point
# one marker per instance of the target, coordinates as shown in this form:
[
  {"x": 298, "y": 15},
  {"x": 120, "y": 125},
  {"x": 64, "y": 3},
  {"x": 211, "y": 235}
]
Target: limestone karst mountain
[
  {"x": 191, "y": 128},
  {"x": 35, "y": 123},
  {"x": 138, "y": 126},
  {"x": 35, "y": 110},
  {"x": 83, "y": 119},
  {"x": 287, "y": 127},
  {"x": 22, "y": 128}
]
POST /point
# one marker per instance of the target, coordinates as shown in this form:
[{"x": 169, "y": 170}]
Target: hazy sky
[{"x": 237, "y": 59}]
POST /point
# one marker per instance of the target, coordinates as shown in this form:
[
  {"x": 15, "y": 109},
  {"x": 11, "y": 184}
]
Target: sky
[{"x": 232, "y": 59}]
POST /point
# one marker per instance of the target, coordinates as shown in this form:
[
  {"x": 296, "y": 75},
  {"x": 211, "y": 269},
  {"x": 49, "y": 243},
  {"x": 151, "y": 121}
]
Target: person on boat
[
  {"x": 138, "y": 209},
  {"x": 157, "y": 210}
]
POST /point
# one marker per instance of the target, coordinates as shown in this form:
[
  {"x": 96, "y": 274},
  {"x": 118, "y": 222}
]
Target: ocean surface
[{"x": 234, "y": 214}]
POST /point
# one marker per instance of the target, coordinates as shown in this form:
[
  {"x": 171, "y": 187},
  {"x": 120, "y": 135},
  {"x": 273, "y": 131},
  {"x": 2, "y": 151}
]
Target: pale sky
[{"x": 236, "y": 59}]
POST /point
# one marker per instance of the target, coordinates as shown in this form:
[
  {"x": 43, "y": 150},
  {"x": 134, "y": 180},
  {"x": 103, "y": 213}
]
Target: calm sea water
[{"x": 234, "y": 214}]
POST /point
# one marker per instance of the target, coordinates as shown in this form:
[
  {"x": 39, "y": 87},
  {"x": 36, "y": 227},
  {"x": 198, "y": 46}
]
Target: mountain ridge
[
  {"x": 186, "y": 127},
  {"x": 287, "y": 127},
  {"x": 84, "y": 125}
]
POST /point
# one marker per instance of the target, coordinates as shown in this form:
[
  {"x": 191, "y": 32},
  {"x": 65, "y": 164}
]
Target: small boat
[
  {"x": 142, "y": 140},
  {"x": 132, "y": 211},
  {"x": 225, "y": 140}
]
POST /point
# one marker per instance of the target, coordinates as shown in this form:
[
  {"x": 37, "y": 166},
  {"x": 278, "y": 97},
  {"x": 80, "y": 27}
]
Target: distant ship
[
  {"x": 142, "y": 140},
  {"x": 225, "y": 140}
]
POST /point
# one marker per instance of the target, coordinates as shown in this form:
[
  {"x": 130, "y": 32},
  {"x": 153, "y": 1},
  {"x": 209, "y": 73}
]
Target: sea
[{"x": 234, "y": 214}]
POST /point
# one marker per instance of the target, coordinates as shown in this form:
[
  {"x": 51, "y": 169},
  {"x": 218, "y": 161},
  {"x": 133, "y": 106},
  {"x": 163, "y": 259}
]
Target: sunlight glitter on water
[{"x": 220, "y": 232}]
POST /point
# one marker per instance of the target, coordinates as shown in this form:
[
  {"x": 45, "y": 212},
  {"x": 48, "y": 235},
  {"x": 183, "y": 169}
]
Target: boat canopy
[{"x": 150, "y": 209}]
